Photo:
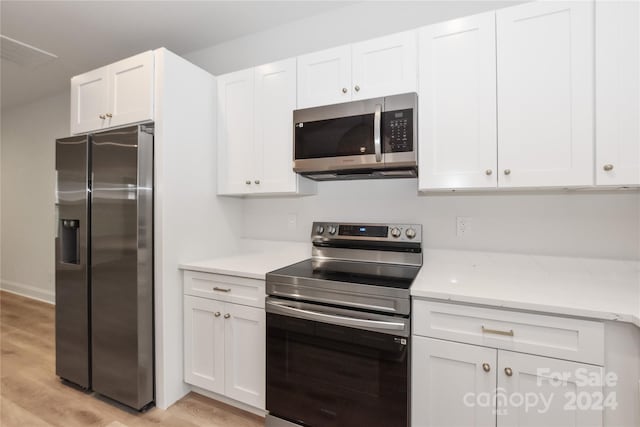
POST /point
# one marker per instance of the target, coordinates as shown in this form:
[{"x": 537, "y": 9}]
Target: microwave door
[{"x": 341, "y": 143}]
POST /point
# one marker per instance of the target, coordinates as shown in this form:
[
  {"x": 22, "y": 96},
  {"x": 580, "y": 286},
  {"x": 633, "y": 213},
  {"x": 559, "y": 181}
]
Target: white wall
[
  {"x": 28, "y": 163},
  {"x": 573, "y": 223},
  {"x": 352, "y": 23},
  {"x": 597, "y": 224}
]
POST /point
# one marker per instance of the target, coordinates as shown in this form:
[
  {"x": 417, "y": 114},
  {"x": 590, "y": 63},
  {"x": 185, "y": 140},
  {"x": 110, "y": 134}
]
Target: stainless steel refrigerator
[{"x": 104, "y": 263}]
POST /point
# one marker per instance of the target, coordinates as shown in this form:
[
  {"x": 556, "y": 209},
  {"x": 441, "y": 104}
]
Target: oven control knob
[
  {"x": 395, "y": 232},
  {"x": 332, "y": 230},
  {"x": 319, "y": 229},
  {"x": 411, "y": 233}
]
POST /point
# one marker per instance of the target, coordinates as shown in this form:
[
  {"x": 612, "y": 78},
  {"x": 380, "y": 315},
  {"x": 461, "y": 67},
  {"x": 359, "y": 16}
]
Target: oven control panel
[{"x": 366, "y": 231}]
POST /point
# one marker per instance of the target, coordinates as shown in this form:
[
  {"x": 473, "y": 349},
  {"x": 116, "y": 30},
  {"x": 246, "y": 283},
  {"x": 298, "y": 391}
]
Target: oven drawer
[
  {"x": 237, "y": 290},
  {"x": 559, "y": 337}
]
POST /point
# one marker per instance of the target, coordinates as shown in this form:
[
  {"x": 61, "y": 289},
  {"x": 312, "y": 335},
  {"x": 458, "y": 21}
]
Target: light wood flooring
[{"x": 32, "y": 395}]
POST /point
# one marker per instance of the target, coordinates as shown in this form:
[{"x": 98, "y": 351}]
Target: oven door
[
  {"x": 338, "y": 137},
  {"x": 332, "y": 371}
]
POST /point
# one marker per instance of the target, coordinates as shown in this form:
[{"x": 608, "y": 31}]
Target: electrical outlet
[
  {"x": 463, "y": 225},
  {"x": 292, "y": 221}
]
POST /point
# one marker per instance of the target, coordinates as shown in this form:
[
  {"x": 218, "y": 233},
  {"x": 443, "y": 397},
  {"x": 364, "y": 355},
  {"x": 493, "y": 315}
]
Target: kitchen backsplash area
[{"x": 603, "y": 224}]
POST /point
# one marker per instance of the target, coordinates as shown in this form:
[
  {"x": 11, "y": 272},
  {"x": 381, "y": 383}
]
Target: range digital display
[{"x": 363, "y": 230}]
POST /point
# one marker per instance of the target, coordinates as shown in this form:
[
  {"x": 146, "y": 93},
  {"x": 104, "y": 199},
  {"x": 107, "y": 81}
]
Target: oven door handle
[
  {"x": 333, "y": 319},
  {"x": 377, "y": 129}
]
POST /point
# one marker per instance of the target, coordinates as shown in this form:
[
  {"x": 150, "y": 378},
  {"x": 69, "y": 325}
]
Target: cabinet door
[
  {"x": 618, "y": 93},
  {"x": 448, "y": 381},
  {"x": 89, "y": 100},
  {"x": 385, "y": 66},
  {"x": 204, "y": 343},
  {"x": 458, "y": 141},
  {"x": 245, "y": 357},
  {"x": 235, "y": 132},
  {"x": 275, "y": 100},
  {"x": 324, "y": 77},
  {"x": 545, "y": 94},
  {"x": 131, "y": 90},
  {"x": 534, "y": 379}
]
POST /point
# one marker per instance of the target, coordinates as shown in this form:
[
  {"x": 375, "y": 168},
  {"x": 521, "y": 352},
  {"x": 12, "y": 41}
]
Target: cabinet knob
[
  {"x": 226, "y": 316},
  {"x": 488, "y": 172},
  {"x": 344, "y": 90},
  {"x": 217, "y": 314},
  {"x": 357, "y": 88},
  {"x": 507, "y": 171},
  {"x": 608, "y": 167},
  {"x": 508, "y": 371},
  {"x": 109, "y": 115},
  {"x": 486, "y": 367},
  {"x": 102, "y": 116},
  {"x": 248, "y": 182},
  {"x": 257, "y": 181}
]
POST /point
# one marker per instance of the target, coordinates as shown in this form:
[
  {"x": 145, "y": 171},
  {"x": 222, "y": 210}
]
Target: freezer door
[
  {"x": 122, "y": 265},
  {"x": 71, "y": 251}
]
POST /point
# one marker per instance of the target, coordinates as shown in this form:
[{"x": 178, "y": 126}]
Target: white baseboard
[
  {"x": 28, "y": 291},
  {"x": 229, "y": 401}
]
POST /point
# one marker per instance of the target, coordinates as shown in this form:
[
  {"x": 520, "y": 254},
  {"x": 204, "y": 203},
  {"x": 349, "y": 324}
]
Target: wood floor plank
[{"x": 31, "y": 394}]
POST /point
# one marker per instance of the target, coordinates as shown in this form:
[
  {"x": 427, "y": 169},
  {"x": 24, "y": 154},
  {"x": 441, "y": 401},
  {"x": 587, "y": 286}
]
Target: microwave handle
[{"x": 376, "y": 132}]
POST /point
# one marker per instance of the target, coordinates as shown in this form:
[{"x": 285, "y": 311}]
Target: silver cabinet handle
[
  {"x": 488, "y": 172},
  {"x": 357, "y": 88},
  {"x": 608, "y": 167},
  {"x": 248, "y": 182},
  {"x": 508, "y": 371},
  {"x": 257, "y": 181},
  {"x": 508, "y": 333},
  {"x": 221, "y": 289},
  {"x": 109, "y": 115},
  {"x": 486, "y": 367},
  {"x": 507, "y": 171},
  {"x": 376, "y": 132},
  {"x": 102, "y": 116},
  {"x": 336, "y": 320},
  {"x": 217, "y": 314},
  {"x": 344, "y": 90},
  {"x": 226, "y": 316}
]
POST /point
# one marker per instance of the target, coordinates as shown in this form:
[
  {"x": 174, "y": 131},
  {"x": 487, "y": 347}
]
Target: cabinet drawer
[
  {"x": 562, "y": 338},
  {"x": 237, "y": 290}
]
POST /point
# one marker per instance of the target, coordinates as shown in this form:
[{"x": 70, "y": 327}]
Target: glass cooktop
[{"x": 385, "y": 275}]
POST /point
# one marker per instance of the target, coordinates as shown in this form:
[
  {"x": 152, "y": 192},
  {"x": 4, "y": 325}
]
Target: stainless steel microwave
[{"x": 372, "y": 138}]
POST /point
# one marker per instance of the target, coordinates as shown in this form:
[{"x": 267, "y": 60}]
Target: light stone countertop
[{"x": 584, "y": 287}]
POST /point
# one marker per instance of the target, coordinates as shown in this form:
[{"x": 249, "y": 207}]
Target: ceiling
[{"x": 88, "y": 34}]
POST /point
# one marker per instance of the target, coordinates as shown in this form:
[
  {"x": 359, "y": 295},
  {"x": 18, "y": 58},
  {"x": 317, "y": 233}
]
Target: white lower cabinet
[
  {"x": 456, "y": 384},
  {"x": 483, "y": 382},
  {"x": 448, "y": 378},
  {"x": 224, "y": 349},
  {"x": 535, "y": 395}
]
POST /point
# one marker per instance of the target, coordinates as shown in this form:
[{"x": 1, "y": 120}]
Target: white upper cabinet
[
  {"x": 89, "y": 100},
  {"x": 618, "y": 93},
  {"x": 275, "y": 100},
  {"x": 545, "y": 94},
  {"x": 384, "y": 66},
  {"x": 324, "y": 77},
  {"x": 131, "y": 93},
  {"x": 457, "y": 104},
  {"x": 373, "y": 68},
  {"x": 114, "y": 95},
  {"x": 255, "y": 131},
  {"x": 235, "y": 132}
]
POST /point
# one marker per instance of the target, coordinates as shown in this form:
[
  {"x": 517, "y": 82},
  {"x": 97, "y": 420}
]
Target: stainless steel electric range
[{"x": 338, "y": 328}]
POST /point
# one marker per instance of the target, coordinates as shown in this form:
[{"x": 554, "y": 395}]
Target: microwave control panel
[{"x": 398, "y": 131}]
